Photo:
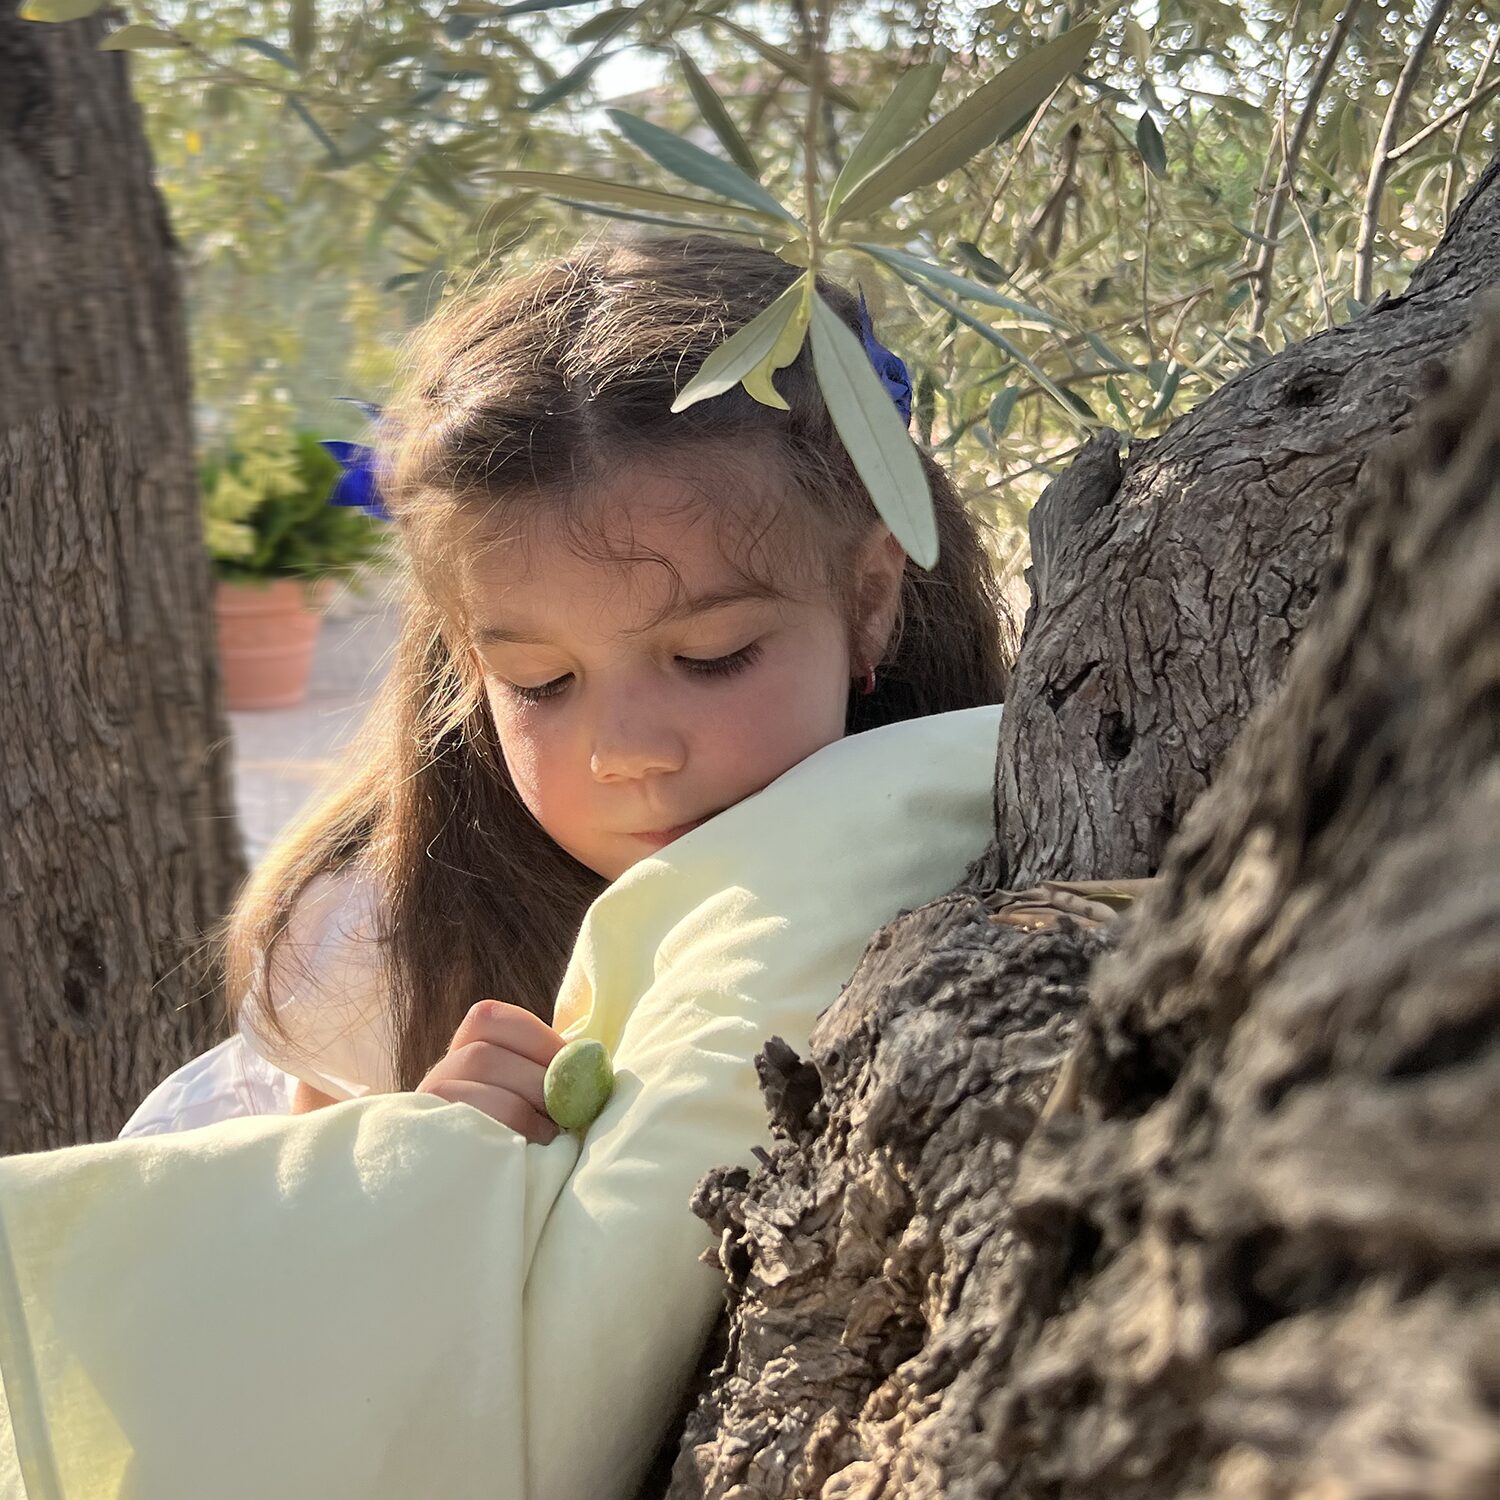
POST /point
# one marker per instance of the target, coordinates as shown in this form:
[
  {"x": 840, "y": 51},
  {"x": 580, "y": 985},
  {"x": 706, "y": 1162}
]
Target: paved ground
[{"x": 281, "y": 755}]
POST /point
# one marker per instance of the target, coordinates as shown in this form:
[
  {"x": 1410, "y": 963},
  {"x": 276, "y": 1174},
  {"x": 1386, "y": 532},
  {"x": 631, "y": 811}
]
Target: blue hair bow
[
  {"x": 356, "y": 486},
  {"x": 890, "y": 367}
]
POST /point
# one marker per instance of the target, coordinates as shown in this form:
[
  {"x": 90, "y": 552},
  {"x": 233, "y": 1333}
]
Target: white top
[
  {"x": 223, "y": 1083},
  {"x": 328, "y": 987}
]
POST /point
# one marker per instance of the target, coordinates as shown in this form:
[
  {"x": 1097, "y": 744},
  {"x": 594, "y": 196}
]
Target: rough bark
[
  {"x": 120, "y": 846},
  {"x": 1253, "y": 1250},
  {"x": 1175, "y": 586}
]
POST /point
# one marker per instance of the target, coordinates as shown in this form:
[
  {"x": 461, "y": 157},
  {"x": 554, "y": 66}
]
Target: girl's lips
[{"x": 656, "y": 838}]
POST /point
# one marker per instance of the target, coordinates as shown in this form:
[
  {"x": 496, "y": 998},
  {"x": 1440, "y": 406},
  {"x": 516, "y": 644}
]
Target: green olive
[{"x": 578, "y": 1084}]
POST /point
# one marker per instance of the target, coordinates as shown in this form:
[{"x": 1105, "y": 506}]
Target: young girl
[
  {"x": 618, "y": 767},
  {"x": 622, "y": 621}
]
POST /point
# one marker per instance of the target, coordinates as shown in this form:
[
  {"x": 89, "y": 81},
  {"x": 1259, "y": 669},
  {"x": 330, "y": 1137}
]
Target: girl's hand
[{"x": 496, "y": 1062}]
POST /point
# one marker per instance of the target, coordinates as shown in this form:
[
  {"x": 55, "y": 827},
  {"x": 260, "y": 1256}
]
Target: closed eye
[
  {"x": 539, "y": 694},
  {"x": 721, "y": 666},
  {"x": 696, "y": 666}
]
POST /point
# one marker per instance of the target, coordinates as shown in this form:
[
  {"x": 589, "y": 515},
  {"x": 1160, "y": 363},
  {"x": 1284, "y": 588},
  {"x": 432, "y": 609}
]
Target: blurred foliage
[
  {"x": 266, "y": 513},
  {"x": 333, "y": 168}
]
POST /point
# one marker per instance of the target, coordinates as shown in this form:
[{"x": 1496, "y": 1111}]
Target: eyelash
[{"x": 715, "y": 666}]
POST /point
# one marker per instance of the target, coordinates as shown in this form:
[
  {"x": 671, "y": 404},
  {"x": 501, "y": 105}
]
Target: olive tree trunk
[
  {"x": 1215, "y": 1211},
  {"x": 120, "y": 845}
]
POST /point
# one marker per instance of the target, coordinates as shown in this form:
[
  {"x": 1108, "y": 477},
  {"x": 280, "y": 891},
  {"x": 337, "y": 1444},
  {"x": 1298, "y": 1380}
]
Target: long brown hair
[{"x": 525, "y": 395}]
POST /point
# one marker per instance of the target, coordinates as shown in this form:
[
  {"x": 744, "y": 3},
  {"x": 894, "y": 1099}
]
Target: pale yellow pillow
[{"x": 396, "y": 1297}]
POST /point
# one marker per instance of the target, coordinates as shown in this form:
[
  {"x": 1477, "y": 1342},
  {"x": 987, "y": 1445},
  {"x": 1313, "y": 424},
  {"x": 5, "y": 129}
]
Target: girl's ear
[{"x": 879, "y": 567}]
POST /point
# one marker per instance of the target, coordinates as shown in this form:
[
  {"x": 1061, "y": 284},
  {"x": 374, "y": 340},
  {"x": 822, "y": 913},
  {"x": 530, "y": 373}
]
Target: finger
[
  {"x": 500, "y": 1105},
  {"x": 511, "y": 1027},
  {"x": 484, "y": 1062}
]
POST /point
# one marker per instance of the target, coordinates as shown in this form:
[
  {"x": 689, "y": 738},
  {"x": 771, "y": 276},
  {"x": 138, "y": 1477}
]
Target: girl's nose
[{"x": 632, "y": 743}]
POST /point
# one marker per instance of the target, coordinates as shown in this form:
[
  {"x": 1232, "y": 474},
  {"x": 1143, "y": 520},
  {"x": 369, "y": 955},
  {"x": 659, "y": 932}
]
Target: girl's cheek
[{"x": 523, "y": 743}]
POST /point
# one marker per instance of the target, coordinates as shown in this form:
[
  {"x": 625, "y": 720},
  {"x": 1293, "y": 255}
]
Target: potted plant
[{"x": 277, "y": 546}]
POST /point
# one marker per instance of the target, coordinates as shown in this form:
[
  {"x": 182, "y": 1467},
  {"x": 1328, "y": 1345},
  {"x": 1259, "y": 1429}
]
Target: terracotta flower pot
[{"x": 267, "y": 633}]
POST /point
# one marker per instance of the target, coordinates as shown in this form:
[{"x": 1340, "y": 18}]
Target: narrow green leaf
[
  {"x": 1015, "y": 127},
  {"x": 1111, "y": 357},
  {"x": 998, "y": 339},
  {"x": 908, "y": 103},
  {"x": 302, "y": 30},
  {"x": 924, "y": 407},
  {"x": 870, "y": 427},
  {"x": 363, "y": 138},
  {"x": 1149, "y": 143},
  {"x": 1112, "y": 390},
  {"x": 1003, "y": 408},
  {"x": 662, "y": 221},
  {"x": 597, "y": 190},
  {"x": 1250, "y": 112},
  {"x": 715, "y": 115},
  {"x": 138, "y": 38},
  {"x": 425, "y": 96},
  {"x": 1165, "y": 391},
  {"x": 1351, "y": 135},
  {"x": 603, "y": 26},
  {"x": 979, "y": 263},
  {"x": 792, "y": 66},
  {"x": 58, "y": 10},
  {"x": 899, "y": 260},
  {"x": 746, "y": 351},
  {"x": 1251, "y": 234},
  {"x": 267, "y": 49},
  {"x": 973, "y": 124},
  {"x": 683, "y": 159},
  {"x": 323, "y": 138},
  {"x": 569, "y": 83},
  {"x": 1104, "y": 90},
  {"x": 532, "y": 7},
  {"x": 788, "y": 346},
  {"x": 438, "y": 181}
]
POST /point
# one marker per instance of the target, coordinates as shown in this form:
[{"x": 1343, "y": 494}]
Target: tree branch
[
  {"x": 1450, "y": 177},
  {"x": 1010, "y": 166},
  {"x": 1260, "y": 283},
  {"x": 1364, "y": 250},
  {"x": 1446, "y": 119}
]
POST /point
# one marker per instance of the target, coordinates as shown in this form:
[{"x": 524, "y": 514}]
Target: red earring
[{"x": 868, "y": 685}]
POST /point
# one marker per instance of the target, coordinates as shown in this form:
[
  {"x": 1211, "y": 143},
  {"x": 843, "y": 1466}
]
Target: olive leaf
[
  {"x": 1065, "y": 399},
  {"x": 778, "y": 57},
  {"x": 1149, "y": 143},
  {"x": 270, "y": 50},
  {"x": 872, "y": 431},
  {"x": 972, "y": 125},
  {"x": 1003, "y": 408},
  {"x": 137, "y": 38},
  {"x": 888, "y": 131},
  {"x": 58, "y": 10},
  {"x": 602, "y": 27},
  {"x": 683, "y": 159},
  {"x": 901, "y": 260},
  {"x": 597, "y": 190},
  {"x": 753, "y": 354},
  {"x": 715, "y": 115}
]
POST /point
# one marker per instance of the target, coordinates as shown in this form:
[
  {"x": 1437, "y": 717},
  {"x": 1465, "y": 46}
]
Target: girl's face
[{"x": 631, "y": 705}]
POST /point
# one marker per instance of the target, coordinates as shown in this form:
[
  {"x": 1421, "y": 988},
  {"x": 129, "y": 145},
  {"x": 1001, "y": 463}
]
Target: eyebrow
[{"x": 681, "y": 608}]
